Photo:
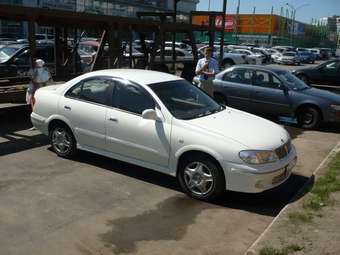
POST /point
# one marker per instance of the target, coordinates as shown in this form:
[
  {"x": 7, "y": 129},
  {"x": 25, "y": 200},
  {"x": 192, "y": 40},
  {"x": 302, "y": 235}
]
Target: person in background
[
  {"x": 206, "y": 69},
  {"x": 40, "y": 75}
]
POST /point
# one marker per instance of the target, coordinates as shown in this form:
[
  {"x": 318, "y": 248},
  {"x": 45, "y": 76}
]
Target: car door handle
[
  {"x": 66, "y": 107},
  {"x": 113, "y": 119}
]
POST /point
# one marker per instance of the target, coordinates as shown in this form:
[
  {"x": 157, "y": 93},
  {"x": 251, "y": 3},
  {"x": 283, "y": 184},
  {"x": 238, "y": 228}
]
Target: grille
[{"x": 284, "y": 150}]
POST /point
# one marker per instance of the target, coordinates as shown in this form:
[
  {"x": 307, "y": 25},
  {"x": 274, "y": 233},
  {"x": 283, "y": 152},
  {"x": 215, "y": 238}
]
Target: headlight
[
  {"x": 335, "y": 107},
  {"x": 258, "y": 157}
]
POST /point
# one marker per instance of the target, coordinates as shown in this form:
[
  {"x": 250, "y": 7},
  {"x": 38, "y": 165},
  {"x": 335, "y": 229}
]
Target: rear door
[
  {"x": 237, "y": 88},
  {"x": 85, "y": 106},
  {"x": 269, "y": 95}
]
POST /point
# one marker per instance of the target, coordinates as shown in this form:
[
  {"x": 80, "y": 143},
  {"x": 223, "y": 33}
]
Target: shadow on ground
[
  {"x": 15, "y": 142},
  {"x": 265, "y": 203}
]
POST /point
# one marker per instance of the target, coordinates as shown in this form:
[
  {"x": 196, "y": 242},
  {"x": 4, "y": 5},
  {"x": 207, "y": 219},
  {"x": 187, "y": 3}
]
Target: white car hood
[{"x": 252, "y": 131}]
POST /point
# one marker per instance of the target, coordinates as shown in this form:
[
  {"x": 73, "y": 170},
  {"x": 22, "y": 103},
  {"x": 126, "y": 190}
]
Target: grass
[
  {"x": 284, "y": 251},
  {"x": 300, "y": 217},
  {"x": 320, "y": 194}
]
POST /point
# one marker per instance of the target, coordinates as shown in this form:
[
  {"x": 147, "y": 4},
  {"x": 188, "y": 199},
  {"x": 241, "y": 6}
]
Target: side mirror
[{"x": 150, "y": 114}]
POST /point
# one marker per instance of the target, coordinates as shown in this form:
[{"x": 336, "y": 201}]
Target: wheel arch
[
  {"x": 197, "y": 151},
  {"x": 308, "y": 104}
]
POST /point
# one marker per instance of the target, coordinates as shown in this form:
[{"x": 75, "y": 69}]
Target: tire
[
  {"x": 227, "y": 63},
  {"x": 220, "y": 99},
  {"x": 303, "y": 78},
  {"x": 201, "y": 177},
  {"x": 62, "y": 141},
  {"x": 309, "y": 118}
]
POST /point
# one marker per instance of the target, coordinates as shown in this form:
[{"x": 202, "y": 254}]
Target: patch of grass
[
  {"x": 284, "y": 251},
  {"x": 300, "y": 217},
  {"x": 324, "y": 186}
]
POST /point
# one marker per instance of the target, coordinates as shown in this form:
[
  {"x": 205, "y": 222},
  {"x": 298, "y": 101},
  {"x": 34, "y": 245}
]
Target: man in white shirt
[{"x": 206, "y": 69}]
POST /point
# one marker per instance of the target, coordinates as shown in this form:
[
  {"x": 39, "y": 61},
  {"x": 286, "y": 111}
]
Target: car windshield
[
  {"x": 292, "y": 81},
  {"x": 184, "y": 100},
  {"x": 6, "y": 53}
]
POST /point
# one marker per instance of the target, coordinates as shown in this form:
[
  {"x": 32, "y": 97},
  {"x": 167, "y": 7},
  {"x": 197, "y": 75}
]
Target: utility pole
[
  {"x": 223, "y": 28},
  {"x": 236, "y": 21}
]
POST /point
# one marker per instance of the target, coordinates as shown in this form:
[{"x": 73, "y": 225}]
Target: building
[
  {"x": 124, "y": 8},
  {"x": 332, "y": 26}
]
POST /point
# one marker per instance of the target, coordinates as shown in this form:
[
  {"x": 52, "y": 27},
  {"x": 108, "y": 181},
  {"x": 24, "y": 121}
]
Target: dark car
[
  {"x": 15, "y": 60},
  {"x": 276, "y": 92},
  {"x": 307, "y": 57},
  {"x": 327, "y": 73}
]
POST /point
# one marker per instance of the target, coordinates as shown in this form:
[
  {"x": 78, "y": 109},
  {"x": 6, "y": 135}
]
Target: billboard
[{"x": 247, "y": 23}]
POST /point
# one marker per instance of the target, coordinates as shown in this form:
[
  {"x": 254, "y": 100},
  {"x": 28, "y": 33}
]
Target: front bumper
[{"x": 258, "y": 178}]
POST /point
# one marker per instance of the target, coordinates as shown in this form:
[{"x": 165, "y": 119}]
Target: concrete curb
[{"x": 251, "y": 249}]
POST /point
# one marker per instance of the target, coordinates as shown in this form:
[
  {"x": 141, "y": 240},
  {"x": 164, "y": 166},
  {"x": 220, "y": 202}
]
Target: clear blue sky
[{"x": 314, "y": 9}]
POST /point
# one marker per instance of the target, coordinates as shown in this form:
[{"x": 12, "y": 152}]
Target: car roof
[
  {"x": 260, "y": 67},
  {"x": 140, "y": 76}
]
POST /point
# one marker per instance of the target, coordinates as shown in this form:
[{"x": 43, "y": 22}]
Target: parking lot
[{"x": 96, "y": 205}]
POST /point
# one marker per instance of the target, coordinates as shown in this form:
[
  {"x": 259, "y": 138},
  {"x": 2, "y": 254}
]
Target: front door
[
  {"x": 128, "y": 134},
  {"x": 269, "y": 95},
  {"x": 330, "y": 74}
]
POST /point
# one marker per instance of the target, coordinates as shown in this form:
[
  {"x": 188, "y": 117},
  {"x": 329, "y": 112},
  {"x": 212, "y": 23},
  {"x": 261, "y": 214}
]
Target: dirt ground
[{"x": 321, "y": 236}]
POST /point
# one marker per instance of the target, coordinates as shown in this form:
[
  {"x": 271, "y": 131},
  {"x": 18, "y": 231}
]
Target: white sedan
[{"x": 164, "y": 123}]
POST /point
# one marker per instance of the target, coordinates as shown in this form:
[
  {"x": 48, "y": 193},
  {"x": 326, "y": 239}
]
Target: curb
[{"x": 251, "y": 250}]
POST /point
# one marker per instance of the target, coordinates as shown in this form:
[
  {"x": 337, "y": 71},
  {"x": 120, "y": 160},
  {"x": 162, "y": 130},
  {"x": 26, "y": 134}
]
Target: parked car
[
  {"x": 266, "y": 54},
  {"x": 307, "y": 57},
  {"x": 273, "y": 91},
  {"x": 289, "y": 58},
  {"x": 251, "y": 57},
  {"x": 229, "y": 58},
  {"x": 327, "y": 73},
  {"x": 181, "y": 54},
  {"x": 316, "y": 53},
  {"x": 164, "y": 123},
  {"x": 180, "y": 45},
  {"x": 15, "y": 60}
]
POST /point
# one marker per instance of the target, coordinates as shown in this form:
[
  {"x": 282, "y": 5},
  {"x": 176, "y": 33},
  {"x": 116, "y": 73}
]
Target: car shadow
[
  {"x": 267, "y": 203},
  {"x": 13, "y": 141}
]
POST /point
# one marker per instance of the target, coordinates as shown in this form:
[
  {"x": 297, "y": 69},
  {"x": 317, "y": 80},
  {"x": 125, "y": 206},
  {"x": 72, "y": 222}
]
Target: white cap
[{"x": 40, "y": 62}]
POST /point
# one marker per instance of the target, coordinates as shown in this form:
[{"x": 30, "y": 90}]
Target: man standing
[{"x": 206, "y": 69}]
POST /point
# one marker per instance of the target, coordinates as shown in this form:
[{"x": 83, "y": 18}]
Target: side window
[
  {"x": 239, "y": 76},
  {"x": 132, "y": 98},
  {"x": 266, "y": 80},
  {"x": 96, "y": 90},
  {"x": 75, "y": 91}
]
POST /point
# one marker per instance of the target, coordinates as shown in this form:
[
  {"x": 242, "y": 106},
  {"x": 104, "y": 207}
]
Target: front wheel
[
  {"x": 62, "y": 141},
  {"x": 201, "y": 178},
  {"x": 309, "y": 118}
]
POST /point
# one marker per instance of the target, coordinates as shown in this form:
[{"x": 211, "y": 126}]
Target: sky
[{"x": 309, "y": 8}]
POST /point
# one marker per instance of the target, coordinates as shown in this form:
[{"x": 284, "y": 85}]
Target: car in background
[
  {"x": 229, "y": 58},
  {"x": 274, "y": 54},
  {"x": 251, "y": 57},
  {"x": 265, "y": 52},
  {"x": 164, "y": 123},
  {"x": 307, "y": 57},
  {"x": 271, "y": 91},
  {"x": 15, "y": 60},
  {"x": 327, "y": 73},
  {"x": 284, "y": 48},
  {"x": 289, "y": 58},
  {"x": 316, "y": 53},
  {"x": 180, "y": 45},
  {"x": 181, "y": 54}
]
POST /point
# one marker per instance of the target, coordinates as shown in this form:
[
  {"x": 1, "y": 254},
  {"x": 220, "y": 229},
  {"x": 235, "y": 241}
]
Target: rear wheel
[
  {"x": 309, "y": 118},
  {"x": 62, "y": 141},
  {"x": 201, "y": 177}
]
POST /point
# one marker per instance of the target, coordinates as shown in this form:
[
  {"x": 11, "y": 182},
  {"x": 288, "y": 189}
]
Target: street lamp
[{"x": 294, "y": 9}]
